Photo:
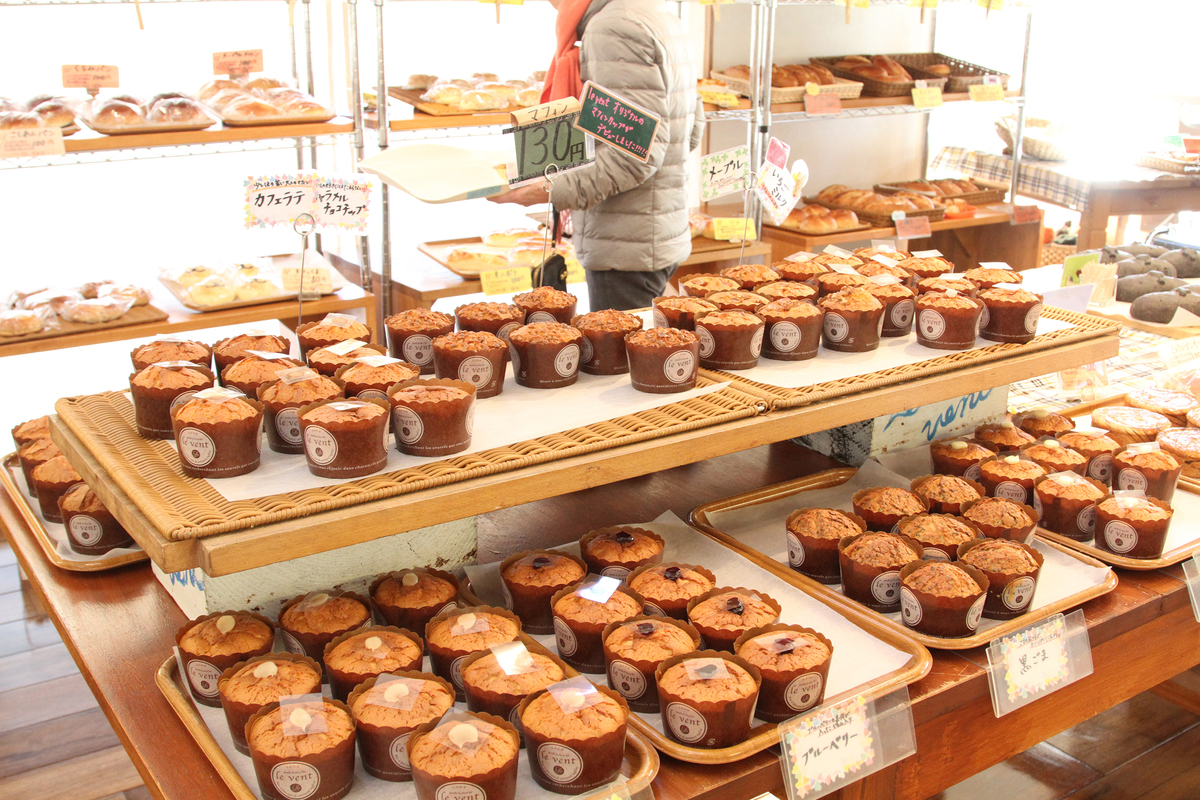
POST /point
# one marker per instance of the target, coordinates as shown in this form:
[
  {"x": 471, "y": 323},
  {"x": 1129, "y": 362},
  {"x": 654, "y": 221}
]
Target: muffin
[
  {"x": 946, "y": 494},
  {"x": 792, "y": 329},
  {"x": 749, "y": 276},
  {"x": 1067, "y": 504},
  {"x": 1053, "y": 457},
  {"x": 213, "y": 643},
  {"x": 1130, "y": 425},
  {"x": 942, "y": 599},
  {"x": 871, "y": 563},
  {"x": 1184, "y": 445},
  {"x": 311, "y": 621},
  {"x": 282, "y": 400},
  {"x": 432, "y": 417},
  {"x": 1142, "y": 467},
  {"x": 833, "y": 282},
  {"x": 303, "y": 749},
  {"x": 1012, "y": 571},
  {"x": 1011, "y": 476},
  {"x": 812, "y": 541},
  {"x": 704, "y": 284},
  {"x": 232, "y": 349},
  {"x": 616, "y": 551},
  {"x": 582, "y": 611},
  {"x": 805, "y": 272},
  {"x": 898, "y": 308},
  {"x": 33, "y": 454},
  {"x": 987, "y": 277},
  {"x": 1039, "y": 422},
  {"x": 738, "y": 299},
  {"x": 218, "y": 433},
  {"x": 853, "y": 320},
  {"x": 159, "y": 387},
  {"x": 882, "y": 507},
  {"x": 546, "y": 304},
  {"x": 545, "y": 355},
  {"x": 940, "y": 534},
  {"x": 345, "y": 438},
  {"x": 1009, "y": 315},
  {"x": 669, "y": 586},
  {"x": 92, "y": 530},
  {"x": 680, "y": 312},
  {"x": 332, "y": 329},
  {"x": 878, "y": 269},
  {"x": 465, "y": 756},
  {"x": 410, "y": 598},
  {"x": 603, "y": 341},
  {"x": 663, "y": 360},
  {"x": 31, "y": 431},
  {"x": 998, "y": 518},
  {"x": 947, "y": 321},
  {"x": 633, "y": 649},
  {"x": 722, "y": 614},
  {"x": 575, "y": 735},
  {"x": 255, "y": 370},
  {"x": 249, "y": 685},
  {"x": 475, "y": 357},
  {"x": 794, "y": 665},
  {"x": 51, "y": 480},
  {"x": 328, "y": 360},
  {"x": 456, "y": 633},
  {"x": 944, "y": 283},
  {"x": 169, "y": 348},
  {"x": 891, "y": 254},
  {"x": 959, "y": 457},
  {"x": 792, "y": 290},
  {"x": 1098, "y": 447},
  {"x": 353, "y": 657},
  {"x": 369, "y": 377},
  {"x": 499, "y": 319},
  {"x": 832, "y": 261},
  {"x": 387, "y": 709},
  {"x": 707, "y": 698},
  {"x": 410, "y": 335},
  {"x": 1003, "y": 437},
  {"x": 497, "y": 679},
  {"x": 1134, "y": 527},
  {"x": 530, "y": 578},
  {"x": 931, "y": 267}
]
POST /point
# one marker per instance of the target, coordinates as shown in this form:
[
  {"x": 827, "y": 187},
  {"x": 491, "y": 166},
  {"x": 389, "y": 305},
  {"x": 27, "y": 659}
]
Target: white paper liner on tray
[
  {"x": 761, "y": 527},
  {"x": 518, "y": 414},
  {"x": 858, "y": 657}
]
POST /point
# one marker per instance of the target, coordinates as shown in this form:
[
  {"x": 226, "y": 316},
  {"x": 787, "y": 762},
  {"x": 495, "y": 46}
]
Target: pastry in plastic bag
[{"x": 102, "y": 309}]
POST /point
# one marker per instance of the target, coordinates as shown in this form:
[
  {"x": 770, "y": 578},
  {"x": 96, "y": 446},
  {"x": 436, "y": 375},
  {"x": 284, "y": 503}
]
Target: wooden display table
[{"x": 1141, "y": 634}]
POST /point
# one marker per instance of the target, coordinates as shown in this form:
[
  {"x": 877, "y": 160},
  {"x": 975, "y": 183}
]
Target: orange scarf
[{"x": 562, "y": 78}]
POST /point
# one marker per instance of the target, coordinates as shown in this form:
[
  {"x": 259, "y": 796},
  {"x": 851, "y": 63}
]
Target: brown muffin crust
[
  {"x": 322, "y": 613},
  {"x": 942, "y": 579},
  {"x": 207, "y": 638},
  {"x": 785, "y": 651},
  {"x": 268, "y": 733},
  {"x": 1000, "y": 555},
  {"x": 544, "y": 717},
  {"x": 732, "y": 611},
  {"x": 997, "y": 512},
  {"x": 649, "y": 641},
  {"x": 880, "y": 550},
  {"x": 823, "y": 523},
  {"x": 661, "y": 337}
]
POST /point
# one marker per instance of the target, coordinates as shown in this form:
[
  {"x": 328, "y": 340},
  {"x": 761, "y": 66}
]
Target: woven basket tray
[
  {"x": 1155, "y": 161},
  {"x": 992, "y": 194},
  {"x": 845, "y": 89},
  {"x": 963, "y": 74},
  {"x": 880, "y": 219},
  {"x": 883, "y": 88}
]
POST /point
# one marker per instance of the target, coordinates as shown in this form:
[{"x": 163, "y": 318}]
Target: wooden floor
[{"x": 55, "y": 743}]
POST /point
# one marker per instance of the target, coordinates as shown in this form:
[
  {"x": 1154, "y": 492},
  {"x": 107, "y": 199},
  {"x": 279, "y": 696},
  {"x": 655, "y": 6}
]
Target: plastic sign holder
[
  {"x": 1191, "y": 572},
  {"x": 1030, "y": 663}
]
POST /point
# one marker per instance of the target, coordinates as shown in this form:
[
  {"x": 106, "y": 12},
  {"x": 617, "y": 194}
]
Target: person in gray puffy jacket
[{"x": 630, "y": 219}]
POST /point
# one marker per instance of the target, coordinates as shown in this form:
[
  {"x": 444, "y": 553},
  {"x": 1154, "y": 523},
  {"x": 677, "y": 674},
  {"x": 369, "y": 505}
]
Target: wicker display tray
[
  {"x": 640, "y": 765},
  {"x": 994, "y": 193},
  {"x": 883, "y": 88},
  {"x": 835, "y": 477},
  {"x": 963, "y": 74},
  {"x": 10, "y": 484},
  {"x": 881, "y": 220},
  {"x": 1167, "y": 164},
  {"x": 1083, "y": 327},
  {"x": 845, "y": 89},
  {"x": 138, "y": 315}
]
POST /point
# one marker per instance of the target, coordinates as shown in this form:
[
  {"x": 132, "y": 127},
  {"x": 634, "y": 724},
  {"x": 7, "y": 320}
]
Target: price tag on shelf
[
  {"x": 1191, "y": 572},
  {"x": 734, "y": 229},
  {"x": 237, "y": 62},
  {"x": 1073, "y": 267},
  {"x": 854, "y": 3},
  {"x": 720, "y": 99},
  {"x": 553, "y": 141},
  {"x": 724, "y": 172},
  {"x": 545, "y": 111},
  {"x": 991, "y": 5},
  {"x": 911, "y": 227},
  {"x": 89, "y": 76},
  {"x": 1037, "y": 660},
  {"x": 31, "y": 142},
  {"x": 816, "y": 104},
  {"x": 622, "y": 124},
  {"x": 506, "y": 281},
  {"x": 316, "y": 279},
  {"x": 923, "y": 3},
  {"x": 926, "y": 96},
  {"x": 278, "y": 200},
  {"x": 575, "y": 273},
  {"x": 1023, "y": 215},
  {"x": 989, "y": 91}
]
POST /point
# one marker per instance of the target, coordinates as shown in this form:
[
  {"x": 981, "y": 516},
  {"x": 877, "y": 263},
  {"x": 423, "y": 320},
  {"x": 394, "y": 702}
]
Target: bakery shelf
[
  {"x": 427, "y": 126},
  {"x": 858, "y": 107}
]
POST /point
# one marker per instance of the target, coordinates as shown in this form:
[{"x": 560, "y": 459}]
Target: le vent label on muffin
[
  {"x": 85, "y": 530},
  {"x": 679, "y": 366},
  {"x": 804, "y": 692},
  {"x": 795, "y": 550},
  {"x": 295, "y": 780},
  {"x": 627, "y": 679},
  {"x": 476, "y": 370}
]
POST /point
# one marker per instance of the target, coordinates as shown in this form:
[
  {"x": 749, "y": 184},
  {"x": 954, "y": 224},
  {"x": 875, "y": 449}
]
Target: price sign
[
  {"x": 551, "y": 141},
  {"x": 1037, "y": 660},
  {"x": 316, "y": 279},
  {"x": 816, "y": 104},
  {"x": 1073, "y": 267},
  {"x": 1191, "y": 571},
  {"x": 734, "y": 229},
  {"x": 620, "y": 123},
  {"x": 911, "y": 227},
  {"x": 342, "y": 203},
  {"x": 575, "y": 273},
  {"x": 926, "y": 96},
  {"x": 991, "y": 5},
  {"x": 506, "y": 281},
  {"x": 237, "y": 62},
  {"x": 923, "y": 3},
  {"x": 31, "y": 142},
  {"x": 989, "y": 91},
  {"x": 1022, "y": 215},
  {"x": 720, "y": 99},
  {"x": 776, "y": 189},
  {"x": 724, "y": 172},
  {"x": 89, "y": 76},
  {"x": 278, "y": 200}
]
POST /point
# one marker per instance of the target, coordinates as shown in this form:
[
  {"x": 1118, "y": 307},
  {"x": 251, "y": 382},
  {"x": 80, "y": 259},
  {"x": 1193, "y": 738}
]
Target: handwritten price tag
[
  {"x": 1037, "y": 660},
  {"x": 278, "y": 200},
  {"x": 911, "y": 227},
  {"x": 342, "y": 203},
  {"x": 316, "y": 279},
  {"x": 1191, "y": 572},
  {"x": 825, "y": 747},
  {"x": 734, "y": 229},
  {"x": 986, "y": 92},
  {"x": 506, "y": 281},
  {"x": 1022, "y": 215},
  {"x": 31, "y": 142},
  {"x": 724, "y": 172},
  {"x": 545, "y": 111},
  {"x": 575, "y": 273},
  {"x": 551, "y": 141},
  {"x": 816, "y": 105},
  {"x": 925, "y": 96},
  {"x": 720, "y": 99},
  {"x": 237, "y": 62},
  {"x": 776, "y": 188},
  {"x": 618, "y": 122},
  {"x": 89, "y": 76}
]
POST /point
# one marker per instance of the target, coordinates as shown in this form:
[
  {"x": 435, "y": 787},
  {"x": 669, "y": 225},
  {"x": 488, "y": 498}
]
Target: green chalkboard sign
[
  {"x": 555, "y": 141},
  {"x": 620, "y": 123}
]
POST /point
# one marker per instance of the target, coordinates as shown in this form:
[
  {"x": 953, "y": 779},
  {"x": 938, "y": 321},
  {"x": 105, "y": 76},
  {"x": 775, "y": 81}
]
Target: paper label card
[
  {"x": 342, "y": 203},
  {"x": 986, "y": 92},
  {"x": 1022, "y": 215},
  {"x": 1037, "y": 660},
  {"x": 506, "y": 281},
  {"x": 237, "y": 62},
  {"x": 89, "y": 76},
  {"x": 991, "y": 5},
  {"x": 552, "y": 142},
  {"x": 545, "y": 111},
  {"x": 575, "y": 273},
  {"x": 777, "y": 153},
  {"x": 31, "y": 142},
  {"x": 315, "y": 279},
  {"x": 926, "y": 96},
  {"x": 620, "y": 123},
  {"x": 720, "y": 99},
  {"x": 1073, "y": 267},
  {"x": 816, "y": 105},
  {"x": 776, "y": 190},
  {"x": 734, "y": 229},
  {"x": 724, "y": 172},
  {"x": 274, "y": 200},
  {"x": 1191, "y": 573},
  {"x": 911, "y": 227},
  {"x": 923, "y": 3}
]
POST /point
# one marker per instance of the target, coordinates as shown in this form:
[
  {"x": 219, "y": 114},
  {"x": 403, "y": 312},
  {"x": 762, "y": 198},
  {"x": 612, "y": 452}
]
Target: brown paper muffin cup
[
  {"x": 203, "y": 672},
  {"x": 497, "y": 703},
  {"x": 551, "y": 365},
  {"x": 362, "y": 390},
  {"x": 413, "y": 619},
  {"x": 499, "y": 783},
  {"x": 330, "y": 368},
  {"x": 251, "y": 389},
  {"x": 416, "y": 346},
  {"x": 675, "y": 608},
  {"x": 1019, "y": 490},
  {"x": 1075, "y": 519},
  {"x": 484, "y": 369},
  {"x": 876, "y": 520},
  {"x": 666, "y": 317},
  {"x": 27, "y": 465},
  {"x": 152, "y": 406},
  {"x": 313, "y": 342},
  {"x": 715, "y": 638},
  {"x": 1009, "y": 594},
  {"x": 939, "y": 507},
  {"x": 852, "y": 331},
  {"x": 790, "y": 339},
  {"x": 313, "y": 644},
  {"x": 663, "y": 370},
  {"x": 947, "y": 328},
  {"x": 574, "y": 766},
  {"x": 282, "y": 420},
  {"x": 48, "y": 494},
  {"x": 221, "y": 361},
  {"x": 943, "y": 617},
  {"x": 729, "y": 346},
  {"x": 205, "y": 362},
  {"x": 815, "y": 557},
  {"x": 898, "y": 314},
  {"x": 1008, "y": 321},
  {"x": 433, "y": 430},
  {"x": 786, "y": 693},
  {"x": 603, "y": 351},
  {"x": 341, "y": 682},
  {"x": 617, "y": 569},
  {"x": 936, "y": 551},
  {"x": 707, "y": 724},
  {"x": 238, "y": 714},
  {"x": 1132, "y": 538},
  {"x": 446, "y": 662},
  {"x": 634, "y": 679},
  {"x": 345, "y": 450},
  {"x": 581, "y": 644},
  {"x": 1157, "y": 483},
  {"x": 501, "y": 327},
  {"x": 220, "y": 449},
  {"x": 93, "y": 535},
  {"x": 532, "y": 603},
  {"x": 384, "y": 751},
  {"x": 327, "y": 775},
  {"x": 877, "y": 588},
  {"x": 1022, "y": 534}
]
